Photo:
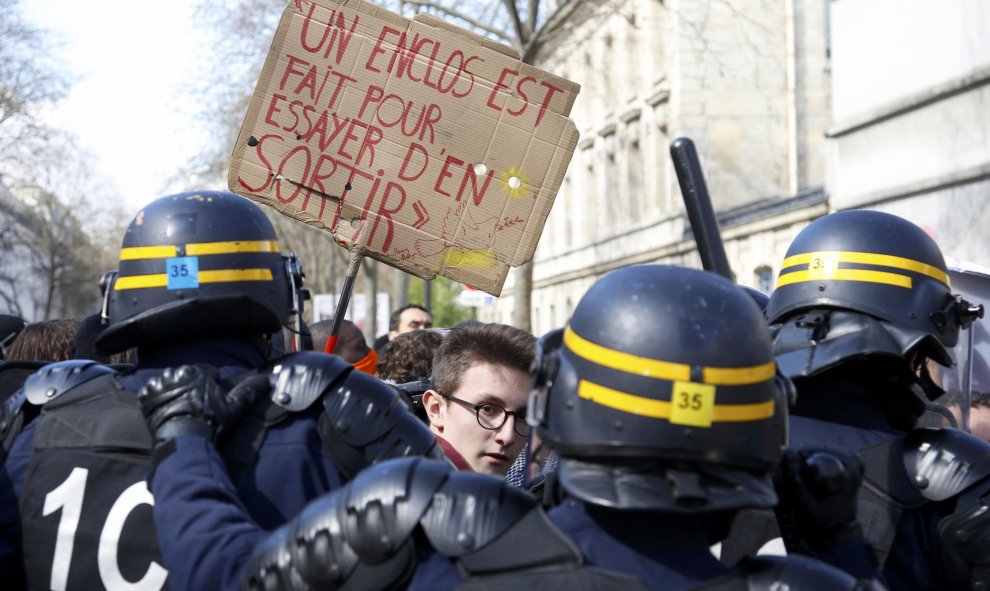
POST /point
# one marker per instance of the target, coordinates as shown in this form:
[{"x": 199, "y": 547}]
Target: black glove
[
  {"x": 189, "y": 400},
  {"x": 964, "y": 545},
  {"x": 818, "y": 490}
]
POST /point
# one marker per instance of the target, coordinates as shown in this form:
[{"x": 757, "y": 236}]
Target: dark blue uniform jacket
[
  {"x": 844, "y": 415},
  {"x": 290, "y": 469}
]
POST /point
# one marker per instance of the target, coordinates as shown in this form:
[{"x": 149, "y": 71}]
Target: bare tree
[
  {"x": 30, "y": 78},
  {"x": 57, "y": 225},
  {"x": 53, "y": 266}
]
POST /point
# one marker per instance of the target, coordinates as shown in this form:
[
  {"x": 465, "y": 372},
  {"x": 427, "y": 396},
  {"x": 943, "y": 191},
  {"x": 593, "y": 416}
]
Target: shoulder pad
[
  {"x": 470, "y": 510},
  {"x": 55, "y": 379},
  {"x": 369, "y": 415},
  {"x": 386, "y": 502},
  {"x": 301, "y": 378},
  {"x": 942, "y": 463}
]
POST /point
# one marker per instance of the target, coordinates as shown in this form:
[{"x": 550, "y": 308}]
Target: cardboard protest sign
[{"x": 417, "y": 143}]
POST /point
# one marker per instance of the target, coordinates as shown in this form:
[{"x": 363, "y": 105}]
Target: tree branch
[
  {"x": 510, "y": 6},
  {"x": 555, "y": 21},
  {"x": 534, "y": 13},
  {"x": 463, "y": 17}
]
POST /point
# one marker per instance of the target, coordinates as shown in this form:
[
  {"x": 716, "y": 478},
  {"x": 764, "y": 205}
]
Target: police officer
[
  {"x": 661, "y": 398},
  {"x": 862, "y": 303},
  {"x": 201, "y": 281}
]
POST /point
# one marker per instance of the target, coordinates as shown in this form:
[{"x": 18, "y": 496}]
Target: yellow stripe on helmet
[
  {"x": 665, "y": 370},
  {"x": 825, "y": 265},
  {"x": 216, "y": 276},
  {"x": 135, "y": 253},
  {"x": 845, "y": 275},
  {"x": 661, "y": 409}
]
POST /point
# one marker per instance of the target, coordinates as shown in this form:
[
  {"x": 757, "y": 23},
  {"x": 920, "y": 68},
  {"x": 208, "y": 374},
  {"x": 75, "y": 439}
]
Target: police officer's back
[
  {"x": 862, "y": 303},
  {"x": 201, "y": 281}
]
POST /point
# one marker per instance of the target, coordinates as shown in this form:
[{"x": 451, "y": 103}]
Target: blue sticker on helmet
[{"x": 182, "y": 272}]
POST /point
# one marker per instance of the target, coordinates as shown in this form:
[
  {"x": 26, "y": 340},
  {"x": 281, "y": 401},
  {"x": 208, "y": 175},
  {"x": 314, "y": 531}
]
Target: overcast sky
[{"x": 126, "y": 107}]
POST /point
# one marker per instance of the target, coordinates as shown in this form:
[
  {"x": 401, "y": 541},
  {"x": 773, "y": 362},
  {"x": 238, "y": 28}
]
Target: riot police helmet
[
  {"x": 863, "y": 283},
  {"x": 198, "y": 265},
  {"x": 661, "y": 393}
]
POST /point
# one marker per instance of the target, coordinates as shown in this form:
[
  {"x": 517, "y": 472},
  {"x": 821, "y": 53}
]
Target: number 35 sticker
[
  {"x": 182, "y": 272},
  {"x": 692, "y": 404}
]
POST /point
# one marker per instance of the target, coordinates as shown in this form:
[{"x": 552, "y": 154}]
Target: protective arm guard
[
  {"x": 361, "y": 536},
  {"x": 364, "y": 421},
  {"x": 947, "y": 464},
  {"x": 943, "y": 463}
]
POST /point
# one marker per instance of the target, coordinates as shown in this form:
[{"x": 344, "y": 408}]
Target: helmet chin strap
[
  {"x": 106, "y": 286},
  {"x": 295, "y": 274}
]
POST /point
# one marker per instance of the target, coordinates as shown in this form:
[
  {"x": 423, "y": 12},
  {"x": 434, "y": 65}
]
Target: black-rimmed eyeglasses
[{"x": 492, "y": 416}]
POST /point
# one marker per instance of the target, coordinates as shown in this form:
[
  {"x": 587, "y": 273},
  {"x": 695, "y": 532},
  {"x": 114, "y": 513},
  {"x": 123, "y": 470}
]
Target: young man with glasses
[{"x": 477, "y": 403}]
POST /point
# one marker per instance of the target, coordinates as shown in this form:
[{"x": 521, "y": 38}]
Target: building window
[
  {"x": 635, "y": 164},
  {"x": 565, "y": 220},
  {"x": 764, "y": 279},
  {"x": 611, "y": 182}
]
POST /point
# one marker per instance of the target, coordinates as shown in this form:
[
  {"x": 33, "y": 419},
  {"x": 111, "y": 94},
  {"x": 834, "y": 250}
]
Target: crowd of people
[{"x": 678, "y": 432}]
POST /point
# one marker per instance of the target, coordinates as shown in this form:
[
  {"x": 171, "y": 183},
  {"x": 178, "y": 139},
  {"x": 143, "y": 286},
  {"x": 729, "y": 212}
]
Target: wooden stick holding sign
[{"x": 345, "y": 299}]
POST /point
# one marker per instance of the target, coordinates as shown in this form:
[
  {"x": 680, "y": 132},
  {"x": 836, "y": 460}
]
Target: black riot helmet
[
  {"x": 860, "y": 283},
  {"x": 198, "y": 265},
  {"x": 662, "y": 394}
]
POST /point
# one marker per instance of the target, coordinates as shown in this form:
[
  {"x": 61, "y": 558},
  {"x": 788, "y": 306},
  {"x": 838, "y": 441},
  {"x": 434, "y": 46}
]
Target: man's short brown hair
[{"x": 474, "y": 343}]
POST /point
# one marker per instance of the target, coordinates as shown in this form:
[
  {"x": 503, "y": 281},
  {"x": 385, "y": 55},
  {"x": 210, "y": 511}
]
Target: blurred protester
[
  {"x": 405, "y": 319},
  {"x": 350, "y": 344},
  {"x": 407, "y": 363},
  {"x": 49, "y": 340}
]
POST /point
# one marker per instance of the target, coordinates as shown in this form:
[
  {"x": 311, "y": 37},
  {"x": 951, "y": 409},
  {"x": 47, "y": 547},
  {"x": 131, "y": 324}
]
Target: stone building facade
[
  {"x": 911, "y": 103},
  {"x": 747, "y": 80}
]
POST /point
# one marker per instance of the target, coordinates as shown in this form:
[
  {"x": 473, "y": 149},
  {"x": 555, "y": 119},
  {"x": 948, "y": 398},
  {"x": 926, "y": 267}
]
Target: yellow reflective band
[
  {"x": 665, "y": 370},
  {"x": 140, "y": 282},
  {"x": 661, "y": 409},
  {"x": 630, "y": 403},
  {"x": 135, "y": 253},
  {"x": 231, "y": 275},
  {"x": 231, "y": 247},
  {"x": 844, "y": 275},
  {"x": 830, "y": 258},
  {"x": 739, "y": 413},
  {"x": 218, "y": 276}
]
